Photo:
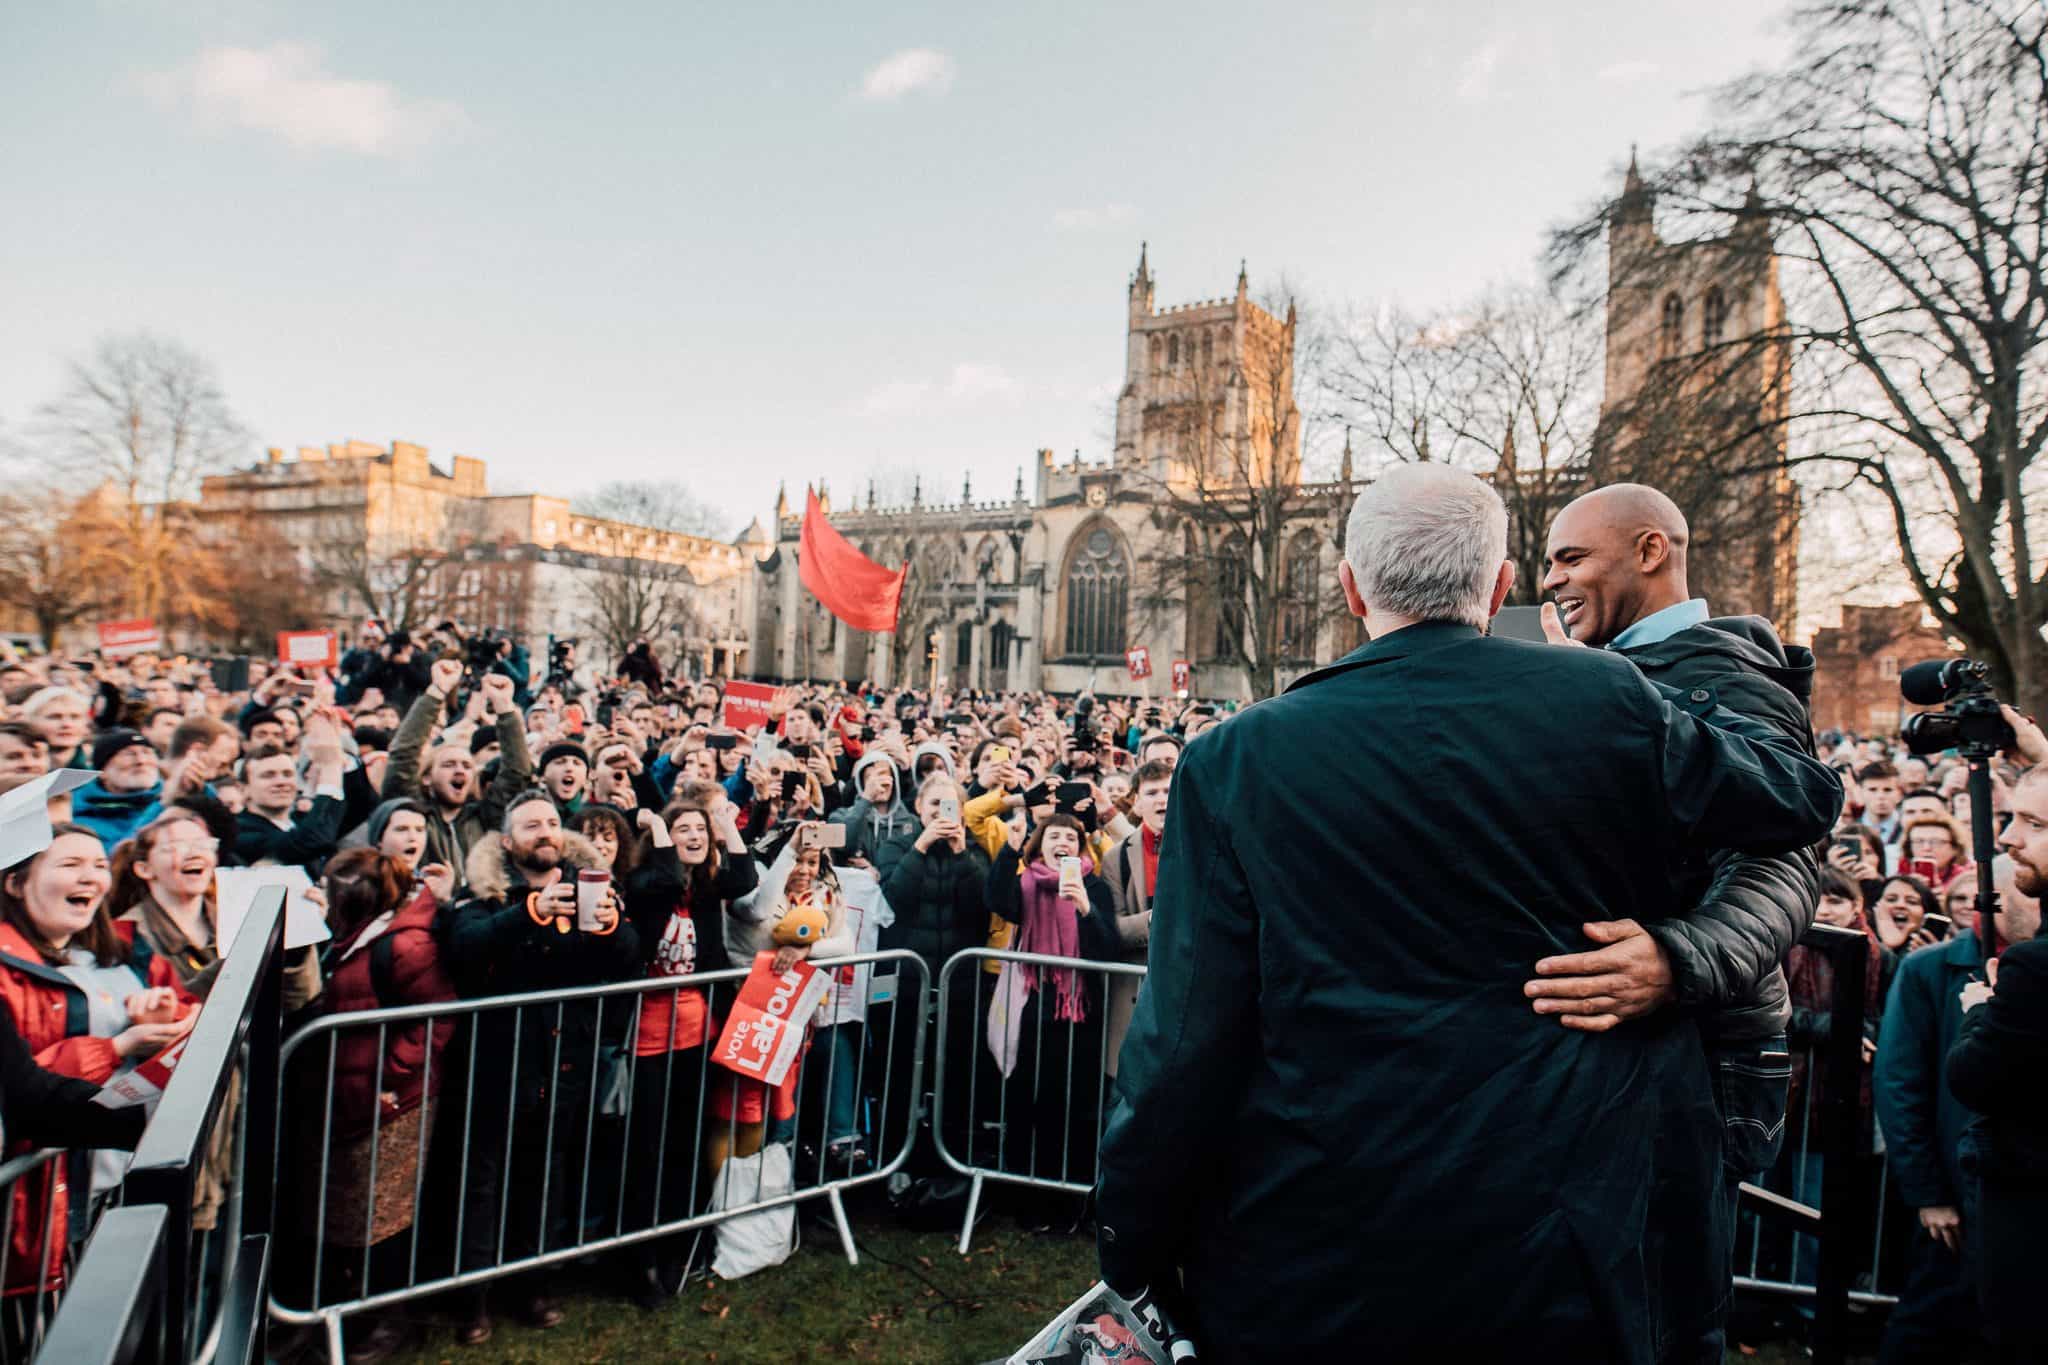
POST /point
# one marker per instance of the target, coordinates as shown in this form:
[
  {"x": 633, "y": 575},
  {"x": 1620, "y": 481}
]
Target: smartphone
[
  {"x": 949, "y": 809},
  {"x": 572, "y": 719},
  {"x": 1072, "y": 794},
  {"x": 1038, "y": 795},
  {"x": 1070, "y": 871},
  {"x": 1852, "y": 849},
  {"x": 824, "y": 836},
  {"x": 1921, "y": 869},
  {"x": 867, "y": 733},
  {"x": 1941, "y": 926},
  {"x": 802, "y": 751},
  {"x": 999, "y": 753},
  {"x": 792, "y": 783},
  {"x": 674, "y": 711},
  {"x": 721, "y": 741}
]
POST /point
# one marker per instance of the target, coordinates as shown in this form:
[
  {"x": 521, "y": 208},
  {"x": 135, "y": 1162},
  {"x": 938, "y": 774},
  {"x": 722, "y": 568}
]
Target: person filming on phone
[{"x": 1340, "y": 1120}]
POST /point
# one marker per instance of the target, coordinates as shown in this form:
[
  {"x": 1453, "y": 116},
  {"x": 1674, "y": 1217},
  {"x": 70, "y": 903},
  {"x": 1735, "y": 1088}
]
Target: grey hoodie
[{"x": 868, "y": 828}]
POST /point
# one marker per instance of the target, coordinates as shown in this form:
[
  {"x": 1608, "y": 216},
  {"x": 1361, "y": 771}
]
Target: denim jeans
[{"x": 1750, "y": 1083}]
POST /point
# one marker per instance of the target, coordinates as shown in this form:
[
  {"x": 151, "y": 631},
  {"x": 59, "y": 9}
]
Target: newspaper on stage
[{"x": 1104, "y": 1328}]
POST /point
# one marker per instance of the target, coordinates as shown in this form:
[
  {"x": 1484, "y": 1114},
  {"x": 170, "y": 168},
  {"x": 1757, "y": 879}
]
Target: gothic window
[
  {"x": 963, "y": 650},
  {"x": 1000, "y": 638},
  {"x": 1097, "y": 587},
  {"x": 1671, "y": 336},
  {"x": 1208, "y": 351},
  {"x": 1173, "y": 352},
  {"x": 1158, "y": 349},
  {"x": 1713, "y": 317},
  {"x": 1232, "y": 577},
  {"x": 1298, "y": 608}
]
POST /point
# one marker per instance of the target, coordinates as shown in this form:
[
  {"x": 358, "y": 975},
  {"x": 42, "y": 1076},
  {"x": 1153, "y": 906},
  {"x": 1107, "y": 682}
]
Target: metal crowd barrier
[
  {"x": 29, "y": 1184},
  {"x": 1040, "y": 1125},
  {"x": 584, "y": 1194},
  {"x": 115, "y": 1314}
]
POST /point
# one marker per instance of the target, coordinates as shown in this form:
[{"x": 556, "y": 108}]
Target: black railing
[
  {"x": 1840, "y": 1063},
  {"x": 151, "y": 1285}
]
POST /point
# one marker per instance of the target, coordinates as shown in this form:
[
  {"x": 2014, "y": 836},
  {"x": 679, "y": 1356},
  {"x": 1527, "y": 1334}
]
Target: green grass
[{"x": 913, "y": 1298}]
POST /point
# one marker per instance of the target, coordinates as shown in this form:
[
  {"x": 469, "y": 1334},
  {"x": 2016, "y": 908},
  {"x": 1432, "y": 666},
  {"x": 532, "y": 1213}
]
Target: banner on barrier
[{"x": 764, "y": 1033}]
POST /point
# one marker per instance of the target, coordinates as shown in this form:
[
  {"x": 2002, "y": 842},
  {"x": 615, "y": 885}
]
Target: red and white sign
[
  {"x": 118, "y": 639},
  {"x": 764, "y": 1033},
  {"x": 1140, "y": 660},
  {"x": 308, "y": 648},
  {"x": 145, "y": 1084},
  {"x": 1182, "y": 672},
  {"x": 747, "y": 704}
]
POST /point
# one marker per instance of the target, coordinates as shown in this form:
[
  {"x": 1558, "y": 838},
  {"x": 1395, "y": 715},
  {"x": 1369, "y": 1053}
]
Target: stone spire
[
  {"x": 781, "y": 501},
  {"x": 1243, "y": 283},
  {"x": 1018, "y": 496},
  {"x": 917, "y": 491},
  {"x": 1637, "y": 202},
  {"x": 1141, "y": 284},
  {"x": 967, "y": 490},
  {"x": 1344, "y": 469}
]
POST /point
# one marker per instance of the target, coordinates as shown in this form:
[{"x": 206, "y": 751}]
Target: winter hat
[
  {"x": 113, "y": 742},
  {"x": 562, "y": 748},
  {"x": 262, "y": 715},
  {"x": 380, "y": 818},
  {"x": 483, "y": 739}
]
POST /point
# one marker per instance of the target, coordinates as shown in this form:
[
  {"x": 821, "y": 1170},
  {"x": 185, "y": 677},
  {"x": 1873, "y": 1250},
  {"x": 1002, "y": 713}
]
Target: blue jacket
[
  {"x": 115, "y": 816},
  {"x": 1922, "y": 1122}
]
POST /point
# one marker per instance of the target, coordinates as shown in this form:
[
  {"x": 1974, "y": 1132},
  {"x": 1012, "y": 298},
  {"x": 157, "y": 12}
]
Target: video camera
[{"x": 1969, "y": 723}]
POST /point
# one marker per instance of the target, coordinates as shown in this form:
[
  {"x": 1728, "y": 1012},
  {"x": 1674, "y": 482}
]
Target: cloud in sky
[
  {"x": 902, "y": 73},
  {"x": 285, "y": 90},
  {"x": 968, "y": 384},
  {"x": 1626, "y": 73},
  {"x": 1475, "y": 76},
  {"x": 1080, "y": 220}
]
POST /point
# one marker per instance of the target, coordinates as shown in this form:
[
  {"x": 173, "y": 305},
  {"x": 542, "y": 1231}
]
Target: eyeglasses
[{"x": 193, "y": 845}]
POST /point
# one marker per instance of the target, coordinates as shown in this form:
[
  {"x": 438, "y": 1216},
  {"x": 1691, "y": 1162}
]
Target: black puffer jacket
[
  {"x": 939, "y": 898},
  {"x": 1728, "y": 955}
]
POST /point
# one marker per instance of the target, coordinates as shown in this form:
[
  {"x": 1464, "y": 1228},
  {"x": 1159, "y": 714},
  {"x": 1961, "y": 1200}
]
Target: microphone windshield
[{"x": 1924, "y": 684}]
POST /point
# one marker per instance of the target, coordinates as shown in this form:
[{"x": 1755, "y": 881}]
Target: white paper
[
  {"x": 25, "y": 813},
  {"x": 236, "y": 887}
]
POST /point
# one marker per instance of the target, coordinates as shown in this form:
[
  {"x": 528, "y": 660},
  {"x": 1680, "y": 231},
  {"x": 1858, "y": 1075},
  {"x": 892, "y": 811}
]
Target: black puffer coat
[
  {"x": 1742, "y": 913},
  {"x": 939, "y": 898}
]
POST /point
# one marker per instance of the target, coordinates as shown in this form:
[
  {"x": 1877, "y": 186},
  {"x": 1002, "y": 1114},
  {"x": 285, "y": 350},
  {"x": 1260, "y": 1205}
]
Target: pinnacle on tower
[
  {"x": 966, "y": 490},
  {"x": 1636, "y": 202},
  {"x": 1243, "y": 284},
  {"x": 1019, "y": 494},
  {"x": 1344, "y": 470},
  {"x": 781, "y": 501},
  {"x": 917, "y": 491},
  {"x": 871, "y": 495}
]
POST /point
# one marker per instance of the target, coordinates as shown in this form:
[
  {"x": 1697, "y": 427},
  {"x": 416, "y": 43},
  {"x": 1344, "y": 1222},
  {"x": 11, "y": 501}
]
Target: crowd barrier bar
[
  {"x": 318, "y": 1133},
  {"x": 115, "y": 1315},
  {"x": 28, "y": 1317},
  {"x": 973, "y": 960},
  {"x": 239, "y": 1032}
]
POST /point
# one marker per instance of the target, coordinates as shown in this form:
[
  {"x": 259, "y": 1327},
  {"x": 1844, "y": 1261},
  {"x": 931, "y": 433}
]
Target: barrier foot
[
  {"x": 845, "y": 1228},
  {"x": 973, "y": 1208},
  {"x": 332, "y": 1323}
]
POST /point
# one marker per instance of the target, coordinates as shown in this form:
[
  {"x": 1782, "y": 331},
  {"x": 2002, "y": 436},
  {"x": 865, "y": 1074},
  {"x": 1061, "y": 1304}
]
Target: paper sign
[
  {"x": 308, "y": 648},
  {"x": 121, "y": 638},
  {"x": 764, "y": 1033},
  {"x": 1182, "y": 671},
  {"x": 235, "y": 891},
  {"x": 1140, "y": 660},
  {"x": 747, "y": 705},
  {"x": 145, "y": 1084}
]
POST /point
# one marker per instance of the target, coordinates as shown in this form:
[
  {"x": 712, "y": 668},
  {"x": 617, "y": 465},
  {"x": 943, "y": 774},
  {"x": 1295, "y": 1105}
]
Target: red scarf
[
  {"x": 1149, "y": 843},
  {"x": 1052, "y": 927}
]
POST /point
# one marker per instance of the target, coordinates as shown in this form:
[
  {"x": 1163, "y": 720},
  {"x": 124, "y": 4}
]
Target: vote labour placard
[{"x": 764, "y": 1033}]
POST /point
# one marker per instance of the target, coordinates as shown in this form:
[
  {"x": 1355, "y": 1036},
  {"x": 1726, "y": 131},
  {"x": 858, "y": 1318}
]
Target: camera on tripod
[{"x": 1969, "y": 722}]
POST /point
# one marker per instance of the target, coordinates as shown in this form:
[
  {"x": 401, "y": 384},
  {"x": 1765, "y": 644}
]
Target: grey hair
[{"x": 1425, "y": 542}]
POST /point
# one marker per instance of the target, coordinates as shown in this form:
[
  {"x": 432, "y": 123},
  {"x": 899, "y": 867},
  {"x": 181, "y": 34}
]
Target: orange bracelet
[{"x": 533, "y": 910}]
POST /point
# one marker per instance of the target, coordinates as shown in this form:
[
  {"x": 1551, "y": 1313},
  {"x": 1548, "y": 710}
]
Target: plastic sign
[
  {"x": 1182, "y": 671},
  {"x": 118, "y": 639},
  {"x": 1140, "y": 661},
  {"x": 308, "y": 648},
  {"x": 747, "y": 704}
]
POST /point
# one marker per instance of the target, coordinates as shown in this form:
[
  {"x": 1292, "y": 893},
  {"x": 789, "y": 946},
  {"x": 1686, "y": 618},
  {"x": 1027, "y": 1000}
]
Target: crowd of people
[{"x": 447, "y": 814}]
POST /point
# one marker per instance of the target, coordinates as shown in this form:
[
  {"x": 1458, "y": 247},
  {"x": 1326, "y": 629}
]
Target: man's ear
[
  {"x": 1503, "y": 584},
  {"x": 1350, "y": 582},
  {"x": 1653, "y": 552}
]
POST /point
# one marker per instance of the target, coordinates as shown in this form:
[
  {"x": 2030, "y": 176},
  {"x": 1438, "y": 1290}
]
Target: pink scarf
[{"x": 1052, "y": 927}]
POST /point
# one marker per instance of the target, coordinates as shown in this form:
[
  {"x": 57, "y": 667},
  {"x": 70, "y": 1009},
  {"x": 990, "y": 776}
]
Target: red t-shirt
[
  {"x": 680, "y": 1010},
  {"x": 1149, "y": 841}
]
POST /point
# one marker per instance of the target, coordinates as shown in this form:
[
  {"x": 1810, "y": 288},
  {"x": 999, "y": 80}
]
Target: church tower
[
  {"x": 1697, "y": 370},
  {"x": 1208, "y": 388}
]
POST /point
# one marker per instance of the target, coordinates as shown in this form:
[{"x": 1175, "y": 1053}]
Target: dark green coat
[{"x": 1340, "y": 1116}]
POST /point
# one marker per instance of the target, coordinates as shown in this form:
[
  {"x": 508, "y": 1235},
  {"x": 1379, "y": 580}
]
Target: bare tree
[
  {"x": 145, "y": 414},
  {"x": 44, "y": 570},
  {"x": 632, "y": 599},
  {"x": 396, "y": 588},
  {"x": 1897, "y": 166},
  {"x": 1506, "y": 387},
  {"x": 660, "y": 504}
]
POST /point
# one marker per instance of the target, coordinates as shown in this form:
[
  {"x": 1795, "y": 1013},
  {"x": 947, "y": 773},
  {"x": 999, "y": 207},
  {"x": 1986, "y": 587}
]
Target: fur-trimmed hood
[{"x": 488, "y": 872}]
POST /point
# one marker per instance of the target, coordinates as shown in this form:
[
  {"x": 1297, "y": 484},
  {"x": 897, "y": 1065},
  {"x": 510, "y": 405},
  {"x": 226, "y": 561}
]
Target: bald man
[{"x": 1617, "y": 581}]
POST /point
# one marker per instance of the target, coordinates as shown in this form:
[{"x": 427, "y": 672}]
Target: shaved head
[{"x": 1615, "y": 555}]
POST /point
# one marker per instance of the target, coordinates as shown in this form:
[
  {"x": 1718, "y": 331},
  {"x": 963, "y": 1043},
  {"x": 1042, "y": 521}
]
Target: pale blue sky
[{"x": 739, "y": 243}]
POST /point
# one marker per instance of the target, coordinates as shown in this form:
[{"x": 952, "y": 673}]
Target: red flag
[{"x": 853, "y": 587}]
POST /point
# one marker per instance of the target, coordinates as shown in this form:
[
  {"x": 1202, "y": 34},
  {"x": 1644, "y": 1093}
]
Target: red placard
[
  {"x": 747, "y": 705},
  {"x": 1182, "y": 672},
  {"x": 1140, "y": 661},
  {"x": 308, "y": 648},
  {"x": 121, "y": 638},
  {"x": 764, "y": 1033}
]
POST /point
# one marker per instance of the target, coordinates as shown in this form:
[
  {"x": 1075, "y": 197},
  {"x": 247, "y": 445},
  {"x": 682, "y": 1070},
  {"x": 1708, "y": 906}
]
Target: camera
[
  {"x": 1969, "y": 722},
  {"x": 480, "y": 652}
]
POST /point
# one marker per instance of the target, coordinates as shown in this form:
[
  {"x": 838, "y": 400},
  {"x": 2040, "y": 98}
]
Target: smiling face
[
  {"x": 692, "y": 834},
  {"x": 133, "y": 769},
  {"x": 533, "y": 836},
  {"x": 1594, "y": 574},
  {"x": 272, "y": 783},
  {"x": 181, "y": 861},
  {"x": 62, "y": 889},
  {"x": 1059, "y": 842}
]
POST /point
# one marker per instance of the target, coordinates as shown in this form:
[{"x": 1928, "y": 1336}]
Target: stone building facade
[
  {"x": 1048, "y": 588},
  {"x": 1697, "y": 387},
  {"x": 381, "y": 531}
]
